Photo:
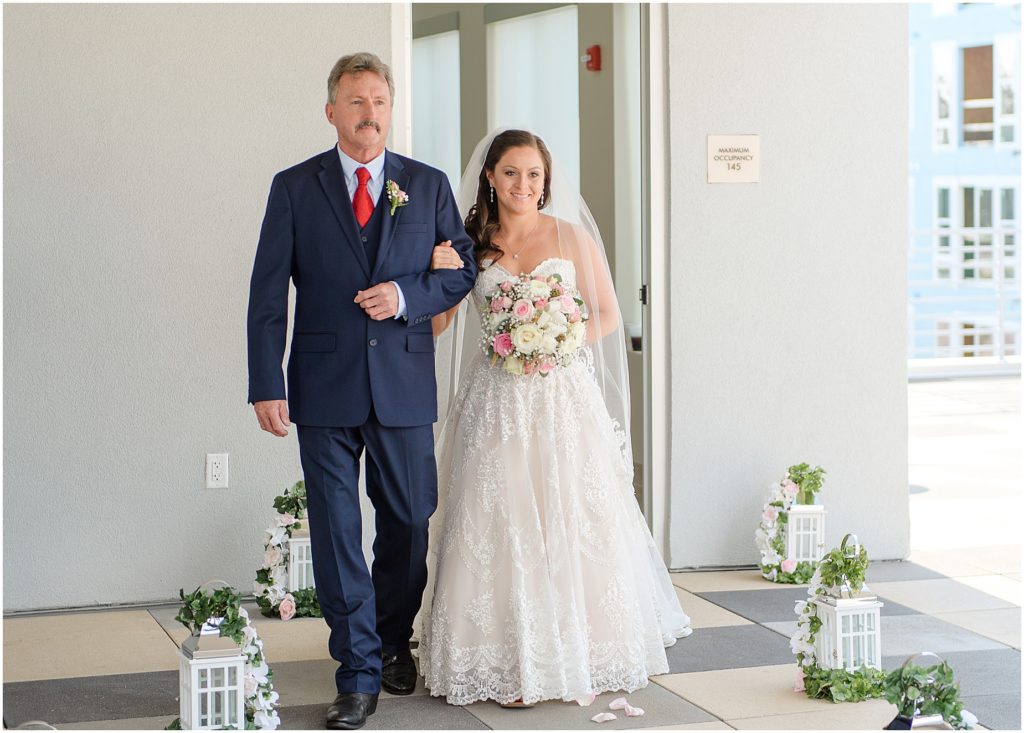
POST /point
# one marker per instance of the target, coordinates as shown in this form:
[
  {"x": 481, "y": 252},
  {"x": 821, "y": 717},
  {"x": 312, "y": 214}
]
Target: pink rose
[
  {"x": 496, "y": 305},
  {"x": 529, "y": 367},
  {"x": 788, "y": 565},
  {"x": 790, "y": 488},
  {"x": 546, "y": 367},
  {"x": 503, "y": 344},
  {"x": 770, "y": 514},
  {"x": 506, "y": 286},
  {"x": 506, "y": 302},
  {"x": 287, "y": 607},
  {"x": 522, "y": 309},
  {"x": 568, "y": 304},
  {"x": 559, "y": 290},
  {"x": 540, "y": 303}
]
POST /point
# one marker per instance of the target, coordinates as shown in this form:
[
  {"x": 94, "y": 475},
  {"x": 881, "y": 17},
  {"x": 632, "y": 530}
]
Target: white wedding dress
[{"x": 547, "y": 583}]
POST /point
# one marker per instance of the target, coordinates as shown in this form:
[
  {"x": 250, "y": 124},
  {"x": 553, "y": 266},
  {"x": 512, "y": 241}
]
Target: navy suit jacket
[{"x": 342, "y": 362}]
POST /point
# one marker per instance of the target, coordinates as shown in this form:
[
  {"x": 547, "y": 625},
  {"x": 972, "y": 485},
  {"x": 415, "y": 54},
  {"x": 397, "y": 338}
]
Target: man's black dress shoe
[
  {"x": 398, "y": 674},
  {"x": 349, "y": 710}
]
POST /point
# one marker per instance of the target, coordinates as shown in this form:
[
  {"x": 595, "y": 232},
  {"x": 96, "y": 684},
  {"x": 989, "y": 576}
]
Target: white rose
[
  {"x": 266, "y": 721},
  {"x": 554, "y": 306},
  {"x": 539, "y": 289},
  {"x": 968, "y": 718},
  {"x": 283, "y": 520},
  {"x": 250, "y": 685},
  {"x": 544, "y": 319},
  {"x": 548, "y": 344},
  {"x": 272, "y": 556},
  {"x": 526, "y": 338},
  {"x": 276, "y": 536},
  {"x": 513, "y": 365},
  {"x": 498, "y": 318},
  {"x": 259, "y": 671},
  {"x": 275, "y": 594}
]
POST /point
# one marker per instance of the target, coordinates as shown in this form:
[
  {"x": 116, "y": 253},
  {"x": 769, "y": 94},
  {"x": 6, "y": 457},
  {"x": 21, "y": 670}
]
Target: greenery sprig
[
  {"x": 930, "y": 690},
  {"x": 839, "y": 685},
  {"x": 836, "y": 568},
  {"x": 808, "y": 479}
]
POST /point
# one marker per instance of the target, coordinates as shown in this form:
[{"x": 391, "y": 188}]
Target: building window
[
  {"x": 972, "y": 336},
  {"x": 976, "y": 88},
  {"x": 943, "y": 221},
  {"x": 1007, "y": 64},
  {"x": 943, "y": 65},
  {"x": 436, "y": 103}
]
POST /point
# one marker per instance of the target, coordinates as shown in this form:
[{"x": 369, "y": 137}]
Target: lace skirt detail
[{"x": 546, "y": 581}]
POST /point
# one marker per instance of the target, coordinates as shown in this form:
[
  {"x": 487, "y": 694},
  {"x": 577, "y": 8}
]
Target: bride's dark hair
[{"x": 482, "y": 221}]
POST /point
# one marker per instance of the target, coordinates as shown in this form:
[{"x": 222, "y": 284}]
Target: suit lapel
[
  {"x": 393, "y": 171},
  {"x": 333, "y": 182}
]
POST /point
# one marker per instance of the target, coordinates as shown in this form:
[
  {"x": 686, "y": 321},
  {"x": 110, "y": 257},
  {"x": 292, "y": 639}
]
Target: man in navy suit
[{"x": 354, "y": 229}]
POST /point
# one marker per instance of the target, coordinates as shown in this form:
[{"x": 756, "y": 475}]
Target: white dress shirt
[{"x": 375, "y": 186}]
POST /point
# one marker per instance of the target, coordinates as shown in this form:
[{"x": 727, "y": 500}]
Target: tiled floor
[
  {"x": 736, "y": 670},
  {"x": 961, "y": 600}
]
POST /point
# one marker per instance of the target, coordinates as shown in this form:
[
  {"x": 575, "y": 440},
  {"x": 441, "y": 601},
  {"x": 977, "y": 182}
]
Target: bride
[{"x": 546, "y": 581}]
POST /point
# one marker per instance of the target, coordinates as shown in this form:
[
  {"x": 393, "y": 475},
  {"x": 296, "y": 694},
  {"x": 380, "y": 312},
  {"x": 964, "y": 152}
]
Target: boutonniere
[{"x": 396, "y": 196}]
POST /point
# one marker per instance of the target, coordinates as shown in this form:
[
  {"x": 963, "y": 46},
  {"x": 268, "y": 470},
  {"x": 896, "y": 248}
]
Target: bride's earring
[{"x": 492, "y": 194}]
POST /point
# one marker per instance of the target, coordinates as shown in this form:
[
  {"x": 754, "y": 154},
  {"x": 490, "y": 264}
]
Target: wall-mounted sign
[{"x": 734, "y": 158}]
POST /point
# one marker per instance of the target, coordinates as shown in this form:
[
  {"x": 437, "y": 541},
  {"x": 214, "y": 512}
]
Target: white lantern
[
  {"x": 850, "y": 636},
  {"x": 300, "y": 560},
  {"x": 805, "y": 532},
  {"x": 211, "y": 681}
]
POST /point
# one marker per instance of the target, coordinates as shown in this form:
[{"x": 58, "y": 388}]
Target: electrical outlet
[{"x": 216, "y": 470}]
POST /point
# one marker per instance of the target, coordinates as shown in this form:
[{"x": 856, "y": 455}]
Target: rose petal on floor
[{"x": 604, "y": 717}]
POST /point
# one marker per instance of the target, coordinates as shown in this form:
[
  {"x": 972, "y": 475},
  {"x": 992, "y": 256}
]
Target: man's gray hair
[{"x": 353, "y": 64}]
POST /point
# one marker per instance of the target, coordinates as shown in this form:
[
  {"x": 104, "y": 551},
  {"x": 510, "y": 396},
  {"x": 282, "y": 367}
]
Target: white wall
[
  {"x": 139, "y": 145},
  {"x": 788, "y": 297}
]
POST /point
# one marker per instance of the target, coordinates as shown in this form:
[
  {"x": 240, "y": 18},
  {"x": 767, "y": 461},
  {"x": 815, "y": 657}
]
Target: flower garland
[
  {"x": 799, "y": 486},
  {"x": 839, "y": 685},
  {"x": 271, "y": 585},
  {"x": 224, "y": 603}
]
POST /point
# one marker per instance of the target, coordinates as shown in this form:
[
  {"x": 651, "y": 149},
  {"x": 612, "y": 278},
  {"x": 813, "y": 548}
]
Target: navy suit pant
[{"x": 366, "y": 611}]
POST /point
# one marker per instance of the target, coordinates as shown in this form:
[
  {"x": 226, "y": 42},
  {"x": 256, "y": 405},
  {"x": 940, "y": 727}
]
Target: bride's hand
[{"x": 445, "y": 258}]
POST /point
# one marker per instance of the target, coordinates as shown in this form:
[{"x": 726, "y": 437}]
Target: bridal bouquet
[{"x": 533, "y": 324}]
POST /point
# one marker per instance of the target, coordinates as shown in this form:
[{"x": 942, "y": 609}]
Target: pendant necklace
[{"x": 528, "y": 242}]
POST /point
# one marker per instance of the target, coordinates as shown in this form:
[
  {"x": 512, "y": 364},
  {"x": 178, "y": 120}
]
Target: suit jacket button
[{"x": 373, "y": 342}]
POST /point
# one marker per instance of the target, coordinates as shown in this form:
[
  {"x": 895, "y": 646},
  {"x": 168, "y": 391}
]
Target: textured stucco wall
[
  {"x": 788, "y": 296},
  {"x": 139, "y": 145}
]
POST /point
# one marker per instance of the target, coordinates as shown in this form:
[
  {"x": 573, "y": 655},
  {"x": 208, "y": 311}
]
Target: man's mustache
[{"x": 368, "y": 123}]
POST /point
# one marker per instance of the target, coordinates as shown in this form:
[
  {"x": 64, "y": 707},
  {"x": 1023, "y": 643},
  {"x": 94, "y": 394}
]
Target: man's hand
[
  {"x": 273, "y": 416},
  {"x": 380, "y": 301}
]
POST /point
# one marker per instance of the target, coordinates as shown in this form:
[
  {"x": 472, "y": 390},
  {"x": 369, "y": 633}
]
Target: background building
[{"x": 964, "y": 274}]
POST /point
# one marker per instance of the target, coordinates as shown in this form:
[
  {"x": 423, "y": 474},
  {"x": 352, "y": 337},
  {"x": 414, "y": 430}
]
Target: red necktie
[{"x": 362, "y": 204}]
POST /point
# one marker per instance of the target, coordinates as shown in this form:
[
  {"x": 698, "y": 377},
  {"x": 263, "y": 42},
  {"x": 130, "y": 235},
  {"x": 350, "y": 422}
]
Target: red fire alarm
[{"x": 593, "y": 58}]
